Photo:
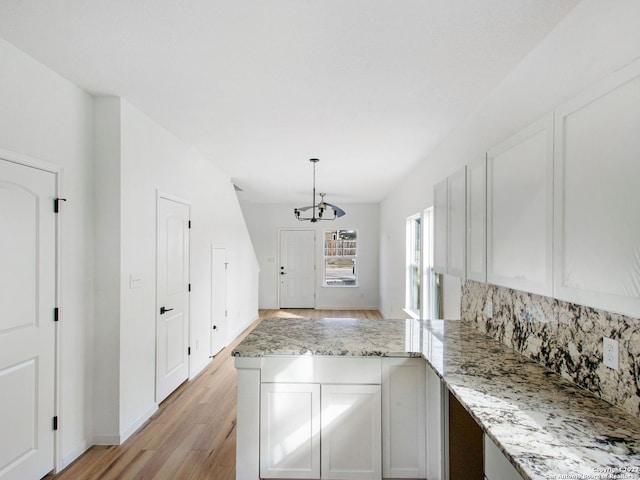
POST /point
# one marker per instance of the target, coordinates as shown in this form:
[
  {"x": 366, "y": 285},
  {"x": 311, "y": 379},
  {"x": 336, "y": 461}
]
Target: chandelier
[{"x": 322, "y": 208}]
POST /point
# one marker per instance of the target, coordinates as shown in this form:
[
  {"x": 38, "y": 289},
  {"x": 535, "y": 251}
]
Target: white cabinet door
[
  {"x": 351, "y": 432},
  {"x": 597, "y": 179},
  {"x": 457, "y": 223},
  {"x": 403, "y": 418},
  {"x": 440, "y": 222},
  {"x": 290, "y": 430},
  {"x": 520, "y": 210},
  {"x": 477, "y": 221}
]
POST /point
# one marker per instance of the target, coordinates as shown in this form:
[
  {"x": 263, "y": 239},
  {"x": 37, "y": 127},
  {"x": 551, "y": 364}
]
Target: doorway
[
  {"x": 172, "y": 295},
  {"x": 218, "y": 299},
  {"x": 28, "y": 250},
  {"x": 296, "y": 275}
]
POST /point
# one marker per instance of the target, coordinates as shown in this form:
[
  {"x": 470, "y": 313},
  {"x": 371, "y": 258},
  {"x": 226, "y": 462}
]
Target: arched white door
[{"x": 27, "y": 328}]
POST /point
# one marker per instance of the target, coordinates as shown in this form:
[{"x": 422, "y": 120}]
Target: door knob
[
  {"x": 215, "y": 327},
  {"x": 282, "y": 273},
  {"x": 164, "y": 310}
]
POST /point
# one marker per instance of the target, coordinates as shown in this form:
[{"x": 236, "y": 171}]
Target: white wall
[
  {"x": 136, "y": 158},
  {"x": 594, "y": 40},
  {"x": 46, "y": 117},
  {"x": 108, "y": 331},
  {"x": 108, "y": 259},
  {"x": 153, "y": 159},
  {"x": 264, "y": 222}
]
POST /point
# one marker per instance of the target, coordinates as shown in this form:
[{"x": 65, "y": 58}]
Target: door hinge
[
  {"x": 56, "y": 204},
  {"x": 55, "y": 422},
  {"x": 189, "y": 223},
  {"x": 225, "y": 313},
  {"x": 56, "y": 314},
  {"x": 226, "y": 265},
  {"x": 188, "y": 350},
  {"x": 189, "y": 287}
]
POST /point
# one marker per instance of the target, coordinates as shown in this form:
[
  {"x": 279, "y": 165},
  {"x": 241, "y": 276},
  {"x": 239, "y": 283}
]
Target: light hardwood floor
[{"x": 192, "y": 436}]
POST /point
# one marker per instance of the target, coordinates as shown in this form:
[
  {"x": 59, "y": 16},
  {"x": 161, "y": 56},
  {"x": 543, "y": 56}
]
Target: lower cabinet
[
  {"x": 289, "y": 430},
  {"x": 320, "y": 431},
  {"x": 403, "y": 418},
  {"x": 350, "y": 433},
  {"x": 347, "y": 418}
]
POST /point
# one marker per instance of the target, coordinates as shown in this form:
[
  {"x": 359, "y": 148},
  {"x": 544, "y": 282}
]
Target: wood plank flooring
[{"x": 192, "y": 436}]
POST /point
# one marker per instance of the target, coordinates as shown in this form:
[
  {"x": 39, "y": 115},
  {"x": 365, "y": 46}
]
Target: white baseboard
[
  {"x": 330, "y": 307},
  {"x": 110, "y": 439},
  {"x": 197, "y": 369},
  {"x": 138, "y": 423},
  {"x": 69, "y": 458},
  {"x": 105, "y": 439}
]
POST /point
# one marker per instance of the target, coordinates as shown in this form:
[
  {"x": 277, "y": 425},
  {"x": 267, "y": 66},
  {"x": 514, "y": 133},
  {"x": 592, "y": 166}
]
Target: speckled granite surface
[
  {"x": 562, "y": 336},
  {"x": 547, "y": 426}
]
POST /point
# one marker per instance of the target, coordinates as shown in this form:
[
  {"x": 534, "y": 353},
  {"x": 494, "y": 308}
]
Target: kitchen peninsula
[{"x": 534, "y": 423}]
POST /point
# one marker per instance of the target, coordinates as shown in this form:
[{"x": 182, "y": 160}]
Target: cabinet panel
[
  {"x": 434, "y": 438},
  {"x": 403, "y": 418},
  {"x": 351, "y": 432},
  {"x": 312, "y": 369},
  {"x": 520, "y": 210},
  {"x": 477, "y": 221},
  {"x": 440, "y": 222},
  {"x": 597, "y": 234},
  {"x": 496, "y": 465},
  {"x": 457, "y": 223},
  {"x": 290, "y": 430}
]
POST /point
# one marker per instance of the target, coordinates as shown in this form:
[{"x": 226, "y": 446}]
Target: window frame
[
  {"x": 413, "y": 266},
  {"x": 326, "y": 257}
]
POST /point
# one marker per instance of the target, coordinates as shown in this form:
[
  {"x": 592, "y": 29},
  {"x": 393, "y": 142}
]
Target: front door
[
  {"x": 27, "y": 329},
  {"x": 218, "y": 299},
  {"x": 297, "y": 269},
  {"x": 172, "y": 313}
]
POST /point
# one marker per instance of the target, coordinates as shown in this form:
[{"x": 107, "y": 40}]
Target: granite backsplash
[{"x": 564, "y": 337}]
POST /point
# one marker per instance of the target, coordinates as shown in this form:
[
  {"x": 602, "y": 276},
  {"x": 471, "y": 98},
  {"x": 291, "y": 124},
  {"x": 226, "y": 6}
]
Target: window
[
  {"x": 340, "y": 253},
  {"x": 428, "y": 283},
  {"x": 414, "y": 272}
]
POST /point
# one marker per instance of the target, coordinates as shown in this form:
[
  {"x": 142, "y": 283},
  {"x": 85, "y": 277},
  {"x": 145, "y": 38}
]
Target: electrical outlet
[{"x": 610, "y": 352}]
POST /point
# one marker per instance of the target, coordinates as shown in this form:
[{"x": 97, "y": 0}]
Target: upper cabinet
[
  {"x": 440, "y": 222},
  {"x": 449, "y": 200},
  {"x": 597, "y": 195},
  {"x": 520, "y": 210},
  {"x": 457, "y": 224},
  {"x": 477, "y": 221}
]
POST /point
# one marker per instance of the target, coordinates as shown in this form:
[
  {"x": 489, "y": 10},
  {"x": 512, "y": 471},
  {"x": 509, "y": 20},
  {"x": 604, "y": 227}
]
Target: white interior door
[
  {"x": 218, "y": 299},
  {"x": 297, "y": 269},
  {"x": 27, "y": 330},
  {"x": 172, "y": 314}
]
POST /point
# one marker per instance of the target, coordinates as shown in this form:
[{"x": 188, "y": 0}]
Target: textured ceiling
[{"x": 368, "y": 86}]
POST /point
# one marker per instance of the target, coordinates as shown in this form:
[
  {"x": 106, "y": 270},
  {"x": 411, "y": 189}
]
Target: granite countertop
[{"x": 545, "y": 425}]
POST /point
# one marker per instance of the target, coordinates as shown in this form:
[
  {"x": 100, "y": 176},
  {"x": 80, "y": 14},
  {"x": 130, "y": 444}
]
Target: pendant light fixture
[{"x": 322, "y": 208}]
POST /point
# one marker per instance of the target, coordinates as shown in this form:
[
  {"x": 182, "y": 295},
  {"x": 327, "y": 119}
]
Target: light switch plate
[
  {"x": 135, "y": 280},
  {"x": 610, "y": 352}
]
